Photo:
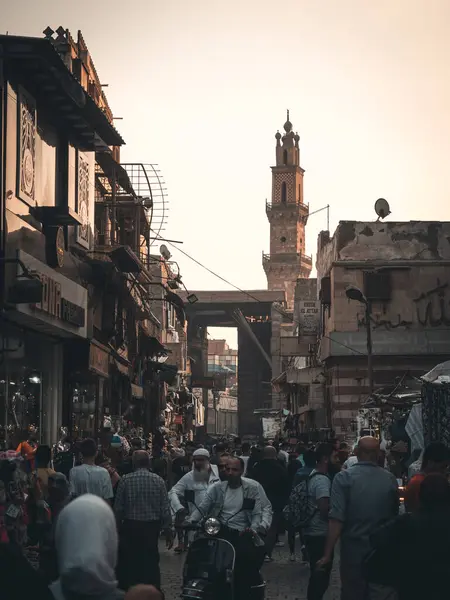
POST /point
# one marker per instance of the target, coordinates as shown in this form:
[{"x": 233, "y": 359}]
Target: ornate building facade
[{"x": 288, "y": 215}]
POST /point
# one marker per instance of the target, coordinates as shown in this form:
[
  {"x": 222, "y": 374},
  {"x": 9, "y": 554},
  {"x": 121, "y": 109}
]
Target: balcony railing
[
  {"x": 283, "y": 205},
  {"x": 288, "y": 257},
  {"x": 120, "y": 225}
]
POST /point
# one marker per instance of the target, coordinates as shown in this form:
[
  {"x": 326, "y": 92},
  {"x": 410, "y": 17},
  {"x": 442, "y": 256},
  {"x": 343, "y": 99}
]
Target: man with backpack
[
  {"x": 308, "y": 510},
  {"x": 301, "y": 474}
]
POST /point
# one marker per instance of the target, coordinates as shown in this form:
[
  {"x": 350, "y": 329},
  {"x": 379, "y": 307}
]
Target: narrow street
[{"x": 285, "y": 580}]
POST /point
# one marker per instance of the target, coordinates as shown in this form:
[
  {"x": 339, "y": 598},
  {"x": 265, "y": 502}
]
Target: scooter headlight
[{"x": 212, "y": 526}]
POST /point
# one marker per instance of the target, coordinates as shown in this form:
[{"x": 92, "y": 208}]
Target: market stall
[{"x": 436, "y": 405}]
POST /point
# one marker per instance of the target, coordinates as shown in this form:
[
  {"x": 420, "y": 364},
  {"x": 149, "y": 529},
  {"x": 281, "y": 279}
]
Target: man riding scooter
[
  {"x": 197, "y": 481},
  {"x": 239, "y": 506}
]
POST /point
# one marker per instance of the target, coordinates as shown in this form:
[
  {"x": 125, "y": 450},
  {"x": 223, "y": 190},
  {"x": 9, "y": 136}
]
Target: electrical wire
[
  {"x": 282, "y": 312},
  {"x": 279, "y": 310}
]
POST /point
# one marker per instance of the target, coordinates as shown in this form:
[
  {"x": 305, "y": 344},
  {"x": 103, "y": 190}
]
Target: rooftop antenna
[{"x": 382, "y": 208}]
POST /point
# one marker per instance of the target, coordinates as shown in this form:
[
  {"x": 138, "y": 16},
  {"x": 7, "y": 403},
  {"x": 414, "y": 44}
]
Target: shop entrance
[
  {"x": 30, "y": 387},
  {"x": 21, "y": 406}
]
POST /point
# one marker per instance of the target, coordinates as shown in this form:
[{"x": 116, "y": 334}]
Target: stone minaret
[{"x": 287, "y": 215}]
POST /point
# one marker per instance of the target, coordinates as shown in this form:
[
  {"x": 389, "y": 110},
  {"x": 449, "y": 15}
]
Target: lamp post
[{"x": 354, "y": 293}]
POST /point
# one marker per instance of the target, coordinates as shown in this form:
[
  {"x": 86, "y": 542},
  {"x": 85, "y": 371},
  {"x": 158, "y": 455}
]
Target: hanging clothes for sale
[
  {"x": 436, "y": 413},
  {"x": 414, "y": 427}
]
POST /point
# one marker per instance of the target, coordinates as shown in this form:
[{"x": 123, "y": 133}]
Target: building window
[
  {"x": 285, "y": 157},
  {"x": 283, "y": 192},
  {"x": 377, "y": 286},
  {"x": 170, "y": 316}
]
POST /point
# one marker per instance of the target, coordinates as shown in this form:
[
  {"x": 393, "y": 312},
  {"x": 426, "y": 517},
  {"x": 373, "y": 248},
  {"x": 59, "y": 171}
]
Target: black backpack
[{"x": 301, "y": 508}]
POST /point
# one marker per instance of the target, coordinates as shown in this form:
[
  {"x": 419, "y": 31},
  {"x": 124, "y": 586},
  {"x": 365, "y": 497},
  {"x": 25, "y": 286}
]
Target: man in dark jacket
[{"x": 273, "y": 477}]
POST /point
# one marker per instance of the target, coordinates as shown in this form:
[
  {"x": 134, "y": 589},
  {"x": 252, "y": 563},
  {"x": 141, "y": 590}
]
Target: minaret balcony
[
  {"x": 299, "y": 207},
  {"x": 285, "y": 258}
]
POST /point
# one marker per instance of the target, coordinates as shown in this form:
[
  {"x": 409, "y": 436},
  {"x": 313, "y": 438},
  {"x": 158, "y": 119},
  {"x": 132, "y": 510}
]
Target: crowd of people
[{"x": 94, "y": 518}]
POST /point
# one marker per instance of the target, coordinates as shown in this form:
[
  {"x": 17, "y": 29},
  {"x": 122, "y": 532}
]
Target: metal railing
[
  {"x": 287, "y": 257},
  {"x": 282, "y": 205}
]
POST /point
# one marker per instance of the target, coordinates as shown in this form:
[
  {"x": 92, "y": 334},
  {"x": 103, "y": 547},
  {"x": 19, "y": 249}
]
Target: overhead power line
[{"x": 282, "y": 312}]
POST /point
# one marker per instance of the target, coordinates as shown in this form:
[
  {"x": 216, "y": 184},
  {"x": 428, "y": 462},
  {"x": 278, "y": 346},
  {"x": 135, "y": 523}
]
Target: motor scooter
[{"x": 209, "y": 567}]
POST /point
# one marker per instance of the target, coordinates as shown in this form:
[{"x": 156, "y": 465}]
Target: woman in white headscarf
[{"x": 86, "y": 544}]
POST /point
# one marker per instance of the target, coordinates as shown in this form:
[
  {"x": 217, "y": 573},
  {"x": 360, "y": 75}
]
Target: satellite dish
[
  {"x": 382, "y": 208},
  {"x": 164, "y": 251}
]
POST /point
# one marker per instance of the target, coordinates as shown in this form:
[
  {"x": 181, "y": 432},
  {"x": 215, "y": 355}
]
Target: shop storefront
[
  {"x": 87, "y": 377},
  {"x": 30, "y": 385},
  {"x": 31, "y": 371}
]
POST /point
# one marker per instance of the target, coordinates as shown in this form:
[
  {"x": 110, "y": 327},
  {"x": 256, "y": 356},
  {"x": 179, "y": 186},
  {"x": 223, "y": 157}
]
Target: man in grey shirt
[
  {"x": 315, "y": 532},
  {"x": 362, "y": 498}
]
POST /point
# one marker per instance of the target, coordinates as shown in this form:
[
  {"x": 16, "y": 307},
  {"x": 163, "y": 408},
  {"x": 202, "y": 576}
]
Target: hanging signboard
[
  {"x": 307, "y": 316},
  {"x": 98, "y": 360},
  {"x": 271, "y": 427}
]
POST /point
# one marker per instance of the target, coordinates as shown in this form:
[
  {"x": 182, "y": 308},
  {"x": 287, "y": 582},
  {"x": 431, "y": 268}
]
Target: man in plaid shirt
[{"x": 142, "y": 510}]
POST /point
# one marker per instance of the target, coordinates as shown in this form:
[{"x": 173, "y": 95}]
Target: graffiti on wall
[
  {"x": 391, "y": 324},
  {"x": 432, "y": 309}
]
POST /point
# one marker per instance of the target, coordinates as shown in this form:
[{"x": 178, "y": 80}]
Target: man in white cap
[{"x": 191, "y": 489}]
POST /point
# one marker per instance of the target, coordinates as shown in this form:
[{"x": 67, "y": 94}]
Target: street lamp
[{"x": 354, "y": 293}]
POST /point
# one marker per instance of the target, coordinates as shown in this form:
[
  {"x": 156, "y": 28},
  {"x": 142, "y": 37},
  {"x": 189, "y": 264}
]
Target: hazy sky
[{"x": 203, "y": 85}]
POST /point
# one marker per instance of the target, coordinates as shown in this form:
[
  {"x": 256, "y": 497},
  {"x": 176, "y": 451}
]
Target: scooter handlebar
[{"x": 189, "y": 526}]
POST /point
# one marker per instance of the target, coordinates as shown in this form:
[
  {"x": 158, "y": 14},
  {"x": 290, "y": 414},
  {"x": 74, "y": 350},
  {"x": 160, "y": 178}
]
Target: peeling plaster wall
[
  {"x": 378, "y": 241},
  {"x": 413, "y": 240}
]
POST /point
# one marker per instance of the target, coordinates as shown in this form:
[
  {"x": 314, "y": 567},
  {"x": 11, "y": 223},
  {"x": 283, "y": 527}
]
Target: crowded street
[{"x": 224, "y": 284}]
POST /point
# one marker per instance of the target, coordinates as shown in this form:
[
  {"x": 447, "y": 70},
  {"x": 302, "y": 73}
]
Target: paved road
[{"x": 285, "y": 580}]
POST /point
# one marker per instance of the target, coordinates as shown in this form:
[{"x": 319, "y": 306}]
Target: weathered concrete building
[
  {"x": 287, "y": 214},
  {"x": 402, "y": 268}
]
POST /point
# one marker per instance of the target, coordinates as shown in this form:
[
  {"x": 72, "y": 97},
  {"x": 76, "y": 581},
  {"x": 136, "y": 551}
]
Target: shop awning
[
  {"x": 151, "y": 346},
  {"x": 267, "y": 412},
  {"x": 304, "y": 409},
  {"x": 439, "y": 374},
  {"x": 112, "y": 169},
  {"x": 178, "y": 305}
]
